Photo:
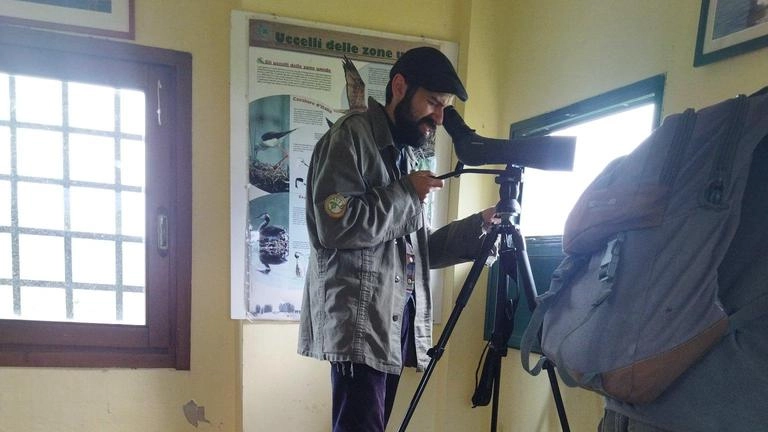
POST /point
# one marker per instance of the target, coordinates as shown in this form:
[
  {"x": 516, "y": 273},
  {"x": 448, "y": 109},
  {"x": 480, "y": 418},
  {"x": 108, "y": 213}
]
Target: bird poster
[{"x": 300, "y": 80}]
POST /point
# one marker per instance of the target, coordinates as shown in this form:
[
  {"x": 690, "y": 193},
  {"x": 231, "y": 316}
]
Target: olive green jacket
[{"x": 359, "y": 211}]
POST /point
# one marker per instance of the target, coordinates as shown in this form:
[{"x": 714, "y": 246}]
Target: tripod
[{"x": 514, "y": 264}]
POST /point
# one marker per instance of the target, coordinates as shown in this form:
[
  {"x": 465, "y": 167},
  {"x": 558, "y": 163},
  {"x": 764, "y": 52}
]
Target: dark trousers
[{"x": 363, "y": 396}]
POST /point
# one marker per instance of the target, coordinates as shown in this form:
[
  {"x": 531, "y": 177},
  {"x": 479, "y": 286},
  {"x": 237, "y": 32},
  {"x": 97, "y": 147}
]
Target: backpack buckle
[{"x": 610, "y": 261}]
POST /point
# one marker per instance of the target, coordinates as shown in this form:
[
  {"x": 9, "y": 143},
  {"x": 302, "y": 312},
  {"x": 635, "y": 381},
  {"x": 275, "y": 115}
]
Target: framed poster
[
  {"x": 290, "y": 81},
  {"x": 112, "y": 18},
  {"x": 730, "y": 27}
]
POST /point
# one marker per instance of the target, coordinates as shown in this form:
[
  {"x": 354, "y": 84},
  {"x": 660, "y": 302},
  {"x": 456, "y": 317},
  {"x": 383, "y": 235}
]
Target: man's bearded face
[{"x": 411, "y": 130}]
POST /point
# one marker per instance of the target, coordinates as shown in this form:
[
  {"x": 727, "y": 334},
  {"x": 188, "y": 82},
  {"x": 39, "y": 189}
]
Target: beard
[{"x": 414, "y": 132}]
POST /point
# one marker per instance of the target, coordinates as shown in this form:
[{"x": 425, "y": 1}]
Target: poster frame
[
  {"x": 711, "y": 48},
  {"x": 239, "y": 124},
  {"x": 119, "y": 22}
]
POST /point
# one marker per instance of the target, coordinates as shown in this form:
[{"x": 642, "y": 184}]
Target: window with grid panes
[{"x": 94, "y": 202}]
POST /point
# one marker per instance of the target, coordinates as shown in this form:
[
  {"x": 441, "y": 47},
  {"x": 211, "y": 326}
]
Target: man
[{"x": 367, "y": 307}]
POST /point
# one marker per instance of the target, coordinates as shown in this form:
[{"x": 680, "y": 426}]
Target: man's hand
[
  {"x": 424, "y": 182},
  {"x": 489, "y": 218}
]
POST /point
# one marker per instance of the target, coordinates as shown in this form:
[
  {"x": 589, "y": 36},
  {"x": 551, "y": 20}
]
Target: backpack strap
[
  {"x": 562, "y": 277},
  {"x": 753, "y": 310},
  {"x": 530, "y": 342}
]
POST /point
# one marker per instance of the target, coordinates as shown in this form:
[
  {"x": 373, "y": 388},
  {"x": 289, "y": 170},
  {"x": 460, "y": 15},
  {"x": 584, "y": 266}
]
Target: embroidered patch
[{"x": 335, "y": 205}]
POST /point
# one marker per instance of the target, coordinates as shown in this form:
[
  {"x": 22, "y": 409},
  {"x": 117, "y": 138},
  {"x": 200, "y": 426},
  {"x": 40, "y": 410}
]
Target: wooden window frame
[{"x": 164, "y": 341}]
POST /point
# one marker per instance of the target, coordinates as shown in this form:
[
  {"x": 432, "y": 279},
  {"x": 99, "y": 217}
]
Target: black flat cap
[{"x": 429, "y": 68}]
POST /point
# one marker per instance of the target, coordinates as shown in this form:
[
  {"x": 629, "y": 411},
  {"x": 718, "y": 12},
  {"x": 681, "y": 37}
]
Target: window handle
[
  {"x": 162, "y": 233},
  {"x": 159, "y": 105}
]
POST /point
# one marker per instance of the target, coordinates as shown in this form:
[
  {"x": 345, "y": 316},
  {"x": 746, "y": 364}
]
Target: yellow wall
[
  {"x": 593, "y": 46},
  {"x": 518, "y": 59}
]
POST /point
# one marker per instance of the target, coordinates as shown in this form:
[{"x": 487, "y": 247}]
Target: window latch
[
  {"x": 159, "y": 106},
  {"x": 162, "y": 234}
]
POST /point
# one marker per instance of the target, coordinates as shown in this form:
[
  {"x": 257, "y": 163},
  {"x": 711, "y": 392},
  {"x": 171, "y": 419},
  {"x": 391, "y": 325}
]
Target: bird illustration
[
  {"x": 268, "y": 169},
  {"x": 355, "y": 86},
  {"x": 273, "y": 244},
  {"x": 300, "y": 190},
  {"x": 272, "y": 139},
  {"x": 298, "y": 267}
]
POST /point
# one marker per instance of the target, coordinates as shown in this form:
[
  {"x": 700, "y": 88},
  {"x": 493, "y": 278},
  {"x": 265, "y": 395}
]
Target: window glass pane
[
  {"x": 39, "y": 153},
  {"x": 604, "y": 139},
  {"x": 5, "y": 98},
  {"x": 6, "y": 302},
  {"x": 29, "y": 92},
  {"x": 93, "y": 306},
  {"x": 93, "y": 261},
  {"x": 549, "y": 195},
  {"x": 132, "y": 216},
  {"x": 41, "y": 258},
  {"x": 92, "y": 210},
  {"x": 132, "y": 112},
  {"x": 43, "y": 304},
  {"x": 134, "y": 308},
  {"x": 91, "y": 107},
  {"x": 5, "y": 150},
  {"x": 133, "y": 264},
  {"x": 5, "y": 256},
  {"x": 132, "y": 163},
  {"x": 91, "y": 158},
  {"x": 5, "y": 203},
  {"x": 41, "y": 205}
]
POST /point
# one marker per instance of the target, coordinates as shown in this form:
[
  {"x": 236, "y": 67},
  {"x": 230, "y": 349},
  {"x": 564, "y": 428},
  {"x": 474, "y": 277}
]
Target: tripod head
[
  {"x": 509, "y": 181},
  {"x": 509, "y": 191}
]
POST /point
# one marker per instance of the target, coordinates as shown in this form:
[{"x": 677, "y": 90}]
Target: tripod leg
[
  {"x": 531, "y": 294},
  {"x": 527, "y": 283},
  {"x": 461, "y": 301},
  {"x": 495, "y": 407},
  {"x": 557, "y": 396},
  {"x": 504, "y": 319},
  {"x": 503, "y": 323}
]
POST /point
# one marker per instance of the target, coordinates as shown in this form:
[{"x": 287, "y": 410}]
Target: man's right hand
[{"x": 424, "y": 182}]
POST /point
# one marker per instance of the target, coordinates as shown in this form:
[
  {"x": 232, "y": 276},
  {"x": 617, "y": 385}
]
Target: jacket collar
[{"x": 382, "y": 135}]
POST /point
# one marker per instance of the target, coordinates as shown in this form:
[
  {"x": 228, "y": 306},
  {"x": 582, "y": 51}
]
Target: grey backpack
[{"x": 635, "y": 301}]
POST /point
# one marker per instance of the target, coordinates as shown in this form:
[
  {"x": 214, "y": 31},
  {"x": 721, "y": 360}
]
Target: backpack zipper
[
  {"x": 680, "y": 141},
  {"x": 716, "y": 188}
]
